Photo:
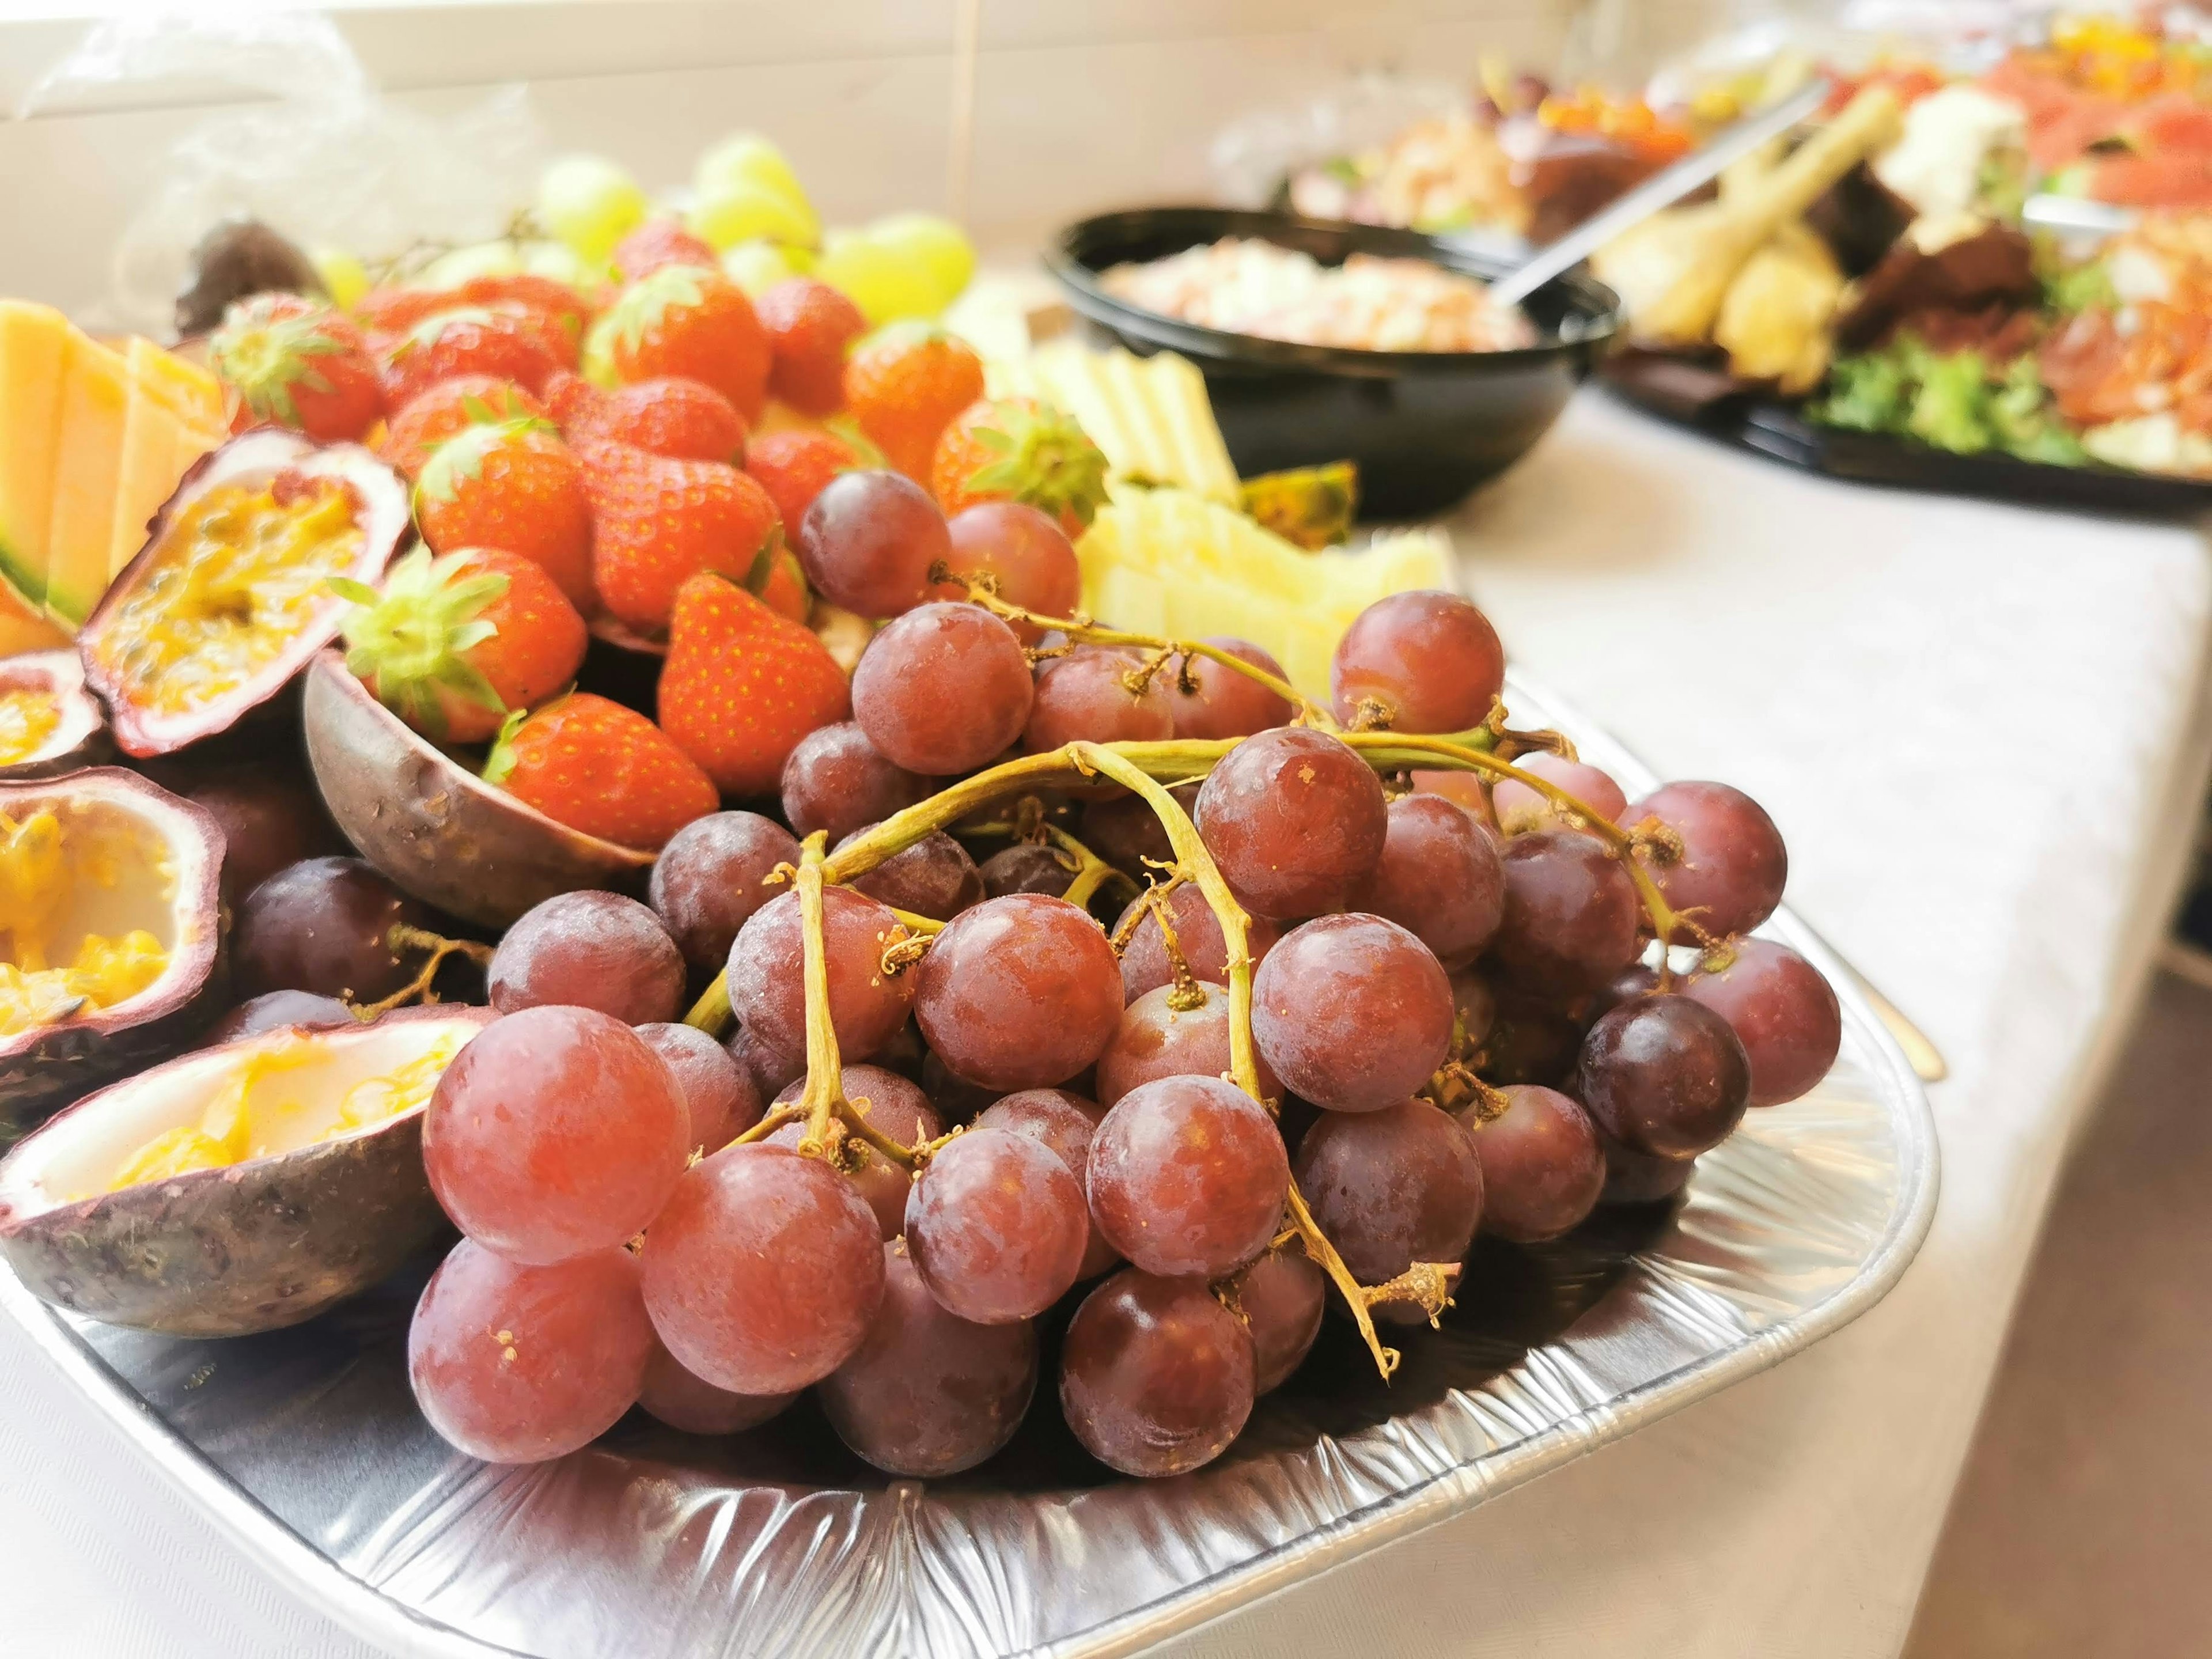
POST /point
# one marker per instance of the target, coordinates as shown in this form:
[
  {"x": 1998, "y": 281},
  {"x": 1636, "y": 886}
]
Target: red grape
[
  {"x": 1280, "y": 1296},
  {"x": 1632, "y": 981},
  {"x": 1156, "y": 1376},
  {"x": 1353, "y": 1012},
  {"x": 894, "y": 1106},
  {"x": 1439, "y": 877},
  {"x": 1029, "y": 555},
  {"x": 1019, "y": 992},
  {"x": 1064, "y": 1123},
  {"x": 1392, "y": 1188},
  {"x": 324, "y": 924},
  {"x": 1145, "y": 963},
  {"x": 957, "y": 1099},
  {"x": 1783, "y": 1011},
  {"x": 1296, "y": 821},
  {"x": 1521, "y": 809},
  {"x": 518, "y": 1365},
  {"x": 933, "y": 878},
  {"x": 928, "y": 1393},
  {"x": 1571, "y": 915},
  {"x": 943, "y": 689},
  {"x": 836, "y": 782},
  {"x": 1158, "y": 1040},
  {"x": 1086, "y": 695},
  {"x": 1528, "y": 1041},
  {"x": 555, "y": 1132},
  {"x": 868, "y": 541},
  {"x": 589, "y": 949},
  {"x": 690, "y": 1402},
  {"x": 769, "y": 1069},
  {"x": 1026, "y": 867},
  {"x": 1188, "y": 1176},
  {"x": 1634, "y": 1178},
  {"x": 764, "y": 1270},
  {"x": 1222, "y": 702},
  {"x": 1462, "y": 789},
  {"x": 273, "y": 1008},
  {"x": 720, "y": 1100},
  {"x": 1542, "y": 1168},
  {"x": 712, "y": 876},
  {"x": 996, "y": 1226},
  {"x": 1733, "y": 866},
  {"x": 1430, "y": 658},
  {"x": 1123, "y": 830},
  {"x": 1664, "y": 1076},
  {"x": 767, "y": 983}
]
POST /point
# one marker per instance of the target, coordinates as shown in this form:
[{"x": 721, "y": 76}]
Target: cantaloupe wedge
[
  {"x": 88, "y": 463},
  {"x": 23, "y": 627},
  {"x": 190, "y": 393},
  {"x": 34, "y": 341}
]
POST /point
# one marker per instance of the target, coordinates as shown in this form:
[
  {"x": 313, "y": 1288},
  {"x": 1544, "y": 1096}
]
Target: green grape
[
  {"x": 749, "y": 159},
  {"x": 558, "y": 262},
  {"x": 461, "y": 264},
  {"x": 738, "y": 210},
  {"x": 885, "y": 284},
  {"x": 938, "y": 246},
  {"x": 757, "y": 264},
  {"x": 342, "y": 274},
  {"x": 589, "y": 203}
]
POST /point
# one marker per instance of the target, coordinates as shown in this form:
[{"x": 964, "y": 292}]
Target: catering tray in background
[
  {"x": 1707, "y": 401},
  {"x": 305, "y": 1448}
]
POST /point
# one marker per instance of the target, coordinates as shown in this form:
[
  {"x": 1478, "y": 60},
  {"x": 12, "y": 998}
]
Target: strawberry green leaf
[{"x": 499, "y": 764}]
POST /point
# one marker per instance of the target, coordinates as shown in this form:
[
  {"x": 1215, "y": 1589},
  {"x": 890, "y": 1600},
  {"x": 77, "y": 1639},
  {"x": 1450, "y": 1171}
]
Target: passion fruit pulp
[
  {"x": 230, "y": 596},
  {"x": 434, "y": 827},
  {"x": 111, "y": 934},
  {"x": 49, "y": 723},
  {"x": 239, "y": 1188}
]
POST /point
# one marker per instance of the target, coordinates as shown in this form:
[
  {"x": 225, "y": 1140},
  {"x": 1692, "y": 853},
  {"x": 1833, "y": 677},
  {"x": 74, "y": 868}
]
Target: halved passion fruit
[
  {"x": 231, "y": 595},
  {"x": 111, "y": 934},
  {"x": 239, "y": 1188},
  {"x": 49, "y": 723},
  {"x": 436, "y": 829}
]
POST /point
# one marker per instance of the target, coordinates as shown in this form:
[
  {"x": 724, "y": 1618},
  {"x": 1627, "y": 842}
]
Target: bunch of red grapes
[{"x": 1462, "y": 1017}]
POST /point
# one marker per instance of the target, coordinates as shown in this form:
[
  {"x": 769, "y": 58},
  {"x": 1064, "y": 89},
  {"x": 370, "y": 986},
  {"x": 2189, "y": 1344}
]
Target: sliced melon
[
  {"x": 24, "y": 627},
  {"x": 34, "y": 342},
  {"x": 191, "y": 392},
  {"x": 1150, "y": 414},
  {"x": 157, "y": 449},
  {"x": 87, "y": 466}
]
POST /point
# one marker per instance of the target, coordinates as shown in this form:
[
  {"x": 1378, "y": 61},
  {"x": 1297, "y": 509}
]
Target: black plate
[
  {"x": 1693, "y": 394},
  {"x": 1424, "y": 427}
]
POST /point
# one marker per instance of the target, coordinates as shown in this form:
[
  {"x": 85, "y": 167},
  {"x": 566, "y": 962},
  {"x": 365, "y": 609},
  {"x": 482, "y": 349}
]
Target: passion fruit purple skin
[
  {"x": 49, "y": 1065},
  {"x": 384, "y": 514},
  {"x": 229, "y": 1252},
  {"x": 79, "y": 738},
  {"x": 437, "y": 829}
]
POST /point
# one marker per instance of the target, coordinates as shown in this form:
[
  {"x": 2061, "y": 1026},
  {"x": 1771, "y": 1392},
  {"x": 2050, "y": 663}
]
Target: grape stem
[
  {"x": 403, "y": 936},
  {"x": 984, "y": 591},
  {"x": 824, "y": 1093}
]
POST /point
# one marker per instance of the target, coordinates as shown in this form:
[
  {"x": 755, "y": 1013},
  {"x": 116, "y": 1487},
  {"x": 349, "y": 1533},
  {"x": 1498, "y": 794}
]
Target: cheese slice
[
  {"x": 88, "y": 465},
  {"x": 34, "y": 340}
]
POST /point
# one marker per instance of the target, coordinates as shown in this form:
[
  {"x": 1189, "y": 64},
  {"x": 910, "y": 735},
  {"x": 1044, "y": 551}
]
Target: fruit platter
[
  {"x": 1985, "y": 276},
  {"x": 682, "y": 956}
]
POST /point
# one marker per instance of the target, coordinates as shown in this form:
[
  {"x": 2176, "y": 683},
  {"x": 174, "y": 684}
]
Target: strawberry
[
  {"x": 602, "y": 769},
  {"x": 395, "y": 310},
  {"x": 794, "y": 465},
  {"x": 452, "y": 644},
  {"x": 297, "y": 362},
  {"x": 809, "y": 325},
  {"x": 440, "y": 411},
  {"x": 470, "y": 340},
  {"x": 656, "y": 520},
  {"x": 656, "y": 243},
  {"x": 904, "y": 383},
  {"x": 742, "y": 685},
  {"x": 568, "y": 398},
  {"x": 1018, "y": 449},
  {"x": 686, "y": 419},
  {"x": 512, "y": 484},
  {"x": 689, "y": 320}
]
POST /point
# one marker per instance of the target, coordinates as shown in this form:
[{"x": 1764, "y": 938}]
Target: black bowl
[{"x": 1424, "y": 427}]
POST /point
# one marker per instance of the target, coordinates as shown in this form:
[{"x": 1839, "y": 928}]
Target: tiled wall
[{"x": 1080, "y": 104}]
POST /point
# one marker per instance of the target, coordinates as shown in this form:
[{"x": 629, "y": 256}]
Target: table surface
[{"x": 1984, "y": 731}]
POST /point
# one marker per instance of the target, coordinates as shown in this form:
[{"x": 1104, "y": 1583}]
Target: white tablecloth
[{"x": 1984, "y": 731}]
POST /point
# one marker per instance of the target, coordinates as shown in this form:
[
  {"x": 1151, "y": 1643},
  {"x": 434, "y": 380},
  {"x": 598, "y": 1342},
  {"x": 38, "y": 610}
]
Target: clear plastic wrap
[{"x": 320, "y": 154}]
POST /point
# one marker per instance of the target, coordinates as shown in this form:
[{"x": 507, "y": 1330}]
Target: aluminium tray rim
[{"x": 322, "y": 1584}]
